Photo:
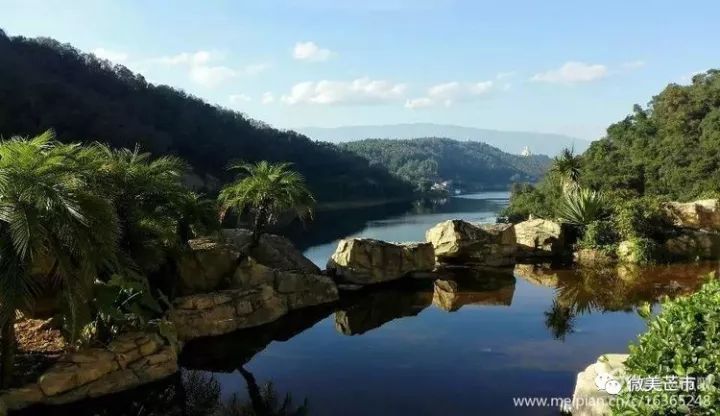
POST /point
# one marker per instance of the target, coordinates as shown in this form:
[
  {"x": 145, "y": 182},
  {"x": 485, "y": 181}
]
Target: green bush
[
  {"x": 598, "y": 235},
  {"x": 683, "y": 340},
  {"x": 638, "y": 251},
  {"x": 638, "y": 217},
  {"x": 539, "y": 201}
]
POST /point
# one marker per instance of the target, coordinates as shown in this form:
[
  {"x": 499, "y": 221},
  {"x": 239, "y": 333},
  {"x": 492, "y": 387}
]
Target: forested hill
[
  {"x": 470, "y": 166},
  {"x": 670, "y": 148},
  {"x": 45, "y": 84}
]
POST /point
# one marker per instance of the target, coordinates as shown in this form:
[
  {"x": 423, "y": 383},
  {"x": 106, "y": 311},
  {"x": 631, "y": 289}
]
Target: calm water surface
[
  {"x": 405, "y": 350},
  {"x": 399, "y": 351}
]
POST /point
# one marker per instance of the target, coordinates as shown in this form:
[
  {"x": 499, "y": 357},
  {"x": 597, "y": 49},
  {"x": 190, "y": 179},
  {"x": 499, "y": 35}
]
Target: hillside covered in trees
[
  {"x": 471, "y": 166},
  {"x": 48, "y": 85},
  {"x": 669, "y": 148}
]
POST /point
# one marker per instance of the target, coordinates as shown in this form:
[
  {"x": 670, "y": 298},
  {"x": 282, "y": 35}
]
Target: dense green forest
[
  {"x": 670, "y": 148},
  {"x": 470, "y": 165},
  {"x": 48, "y": 85}
]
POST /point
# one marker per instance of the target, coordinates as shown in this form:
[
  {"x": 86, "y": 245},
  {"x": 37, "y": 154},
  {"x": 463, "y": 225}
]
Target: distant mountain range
[
  {"x": 507, "y": 141},
  {"x": 440, "y": 163}
]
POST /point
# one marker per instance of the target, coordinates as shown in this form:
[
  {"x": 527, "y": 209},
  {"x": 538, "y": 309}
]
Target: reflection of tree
[
  {"x": 202, "y": 398},
  {"x": 559, "y": 320}
]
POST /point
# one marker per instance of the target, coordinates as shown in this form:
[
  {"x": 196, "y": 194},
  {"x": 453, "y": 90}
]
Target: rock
[
  {"x": 693, "y": 245},
  {"x": 22, "y": 397},
  {"x": 59, "y": 379},
  {"x": 250, "y": 273},
  {"x": 588, "y": 399},
  {"x": 590, "y": 257},
  {"x": 457, "y": 241},
  {"x": 697, "y": 215},
  {"x": 273, "y": 251},
  {"x": 206, "y": 266},
  {"x": 541, "y": 239},
  {"x": 3, "y": 408},
  {"x": 368, "y": 261},
  {"x": 303, "y": 290}
]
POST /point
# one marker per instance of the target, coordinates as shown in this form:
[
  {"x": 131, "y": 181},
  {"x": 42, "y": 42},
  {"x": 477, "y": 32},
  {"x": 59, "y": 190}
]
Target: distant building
[{"x": 525, "y": 152}]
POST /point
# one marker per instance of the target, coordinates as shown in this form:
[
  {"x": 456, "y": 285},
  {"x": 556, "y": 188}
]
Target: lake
[{"x": 404, "y": 349}]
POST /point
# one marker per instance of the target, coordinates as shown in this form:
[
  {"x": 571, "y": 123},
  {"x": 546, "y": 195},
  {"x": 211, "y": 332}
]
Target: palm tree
[
  {"x": 567, "y": 167},
  {"x": 157, "y": 213},
  {"x": 49, "y": 222},
  {"x": 267, "y": 191}
]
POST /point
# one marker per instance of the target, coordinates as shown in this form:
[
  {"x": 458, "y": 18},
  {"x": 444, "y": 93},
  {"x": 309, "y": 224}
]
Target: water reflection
[
  {"x": 626, "y": 288},
  {"x": 469, "y": 286}
]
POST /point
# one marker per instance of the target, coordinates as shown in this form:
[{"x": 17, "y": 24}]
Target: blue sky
[{"x": 554, "y": 66}]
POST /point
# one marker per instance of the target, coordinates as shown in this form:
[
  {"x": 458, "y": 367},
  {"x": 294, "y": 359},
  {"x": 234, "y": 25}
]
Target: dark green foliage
[
  {"x": 599, "y": 234},
  {"x": 683, "y": 340},
  {"x": 582, "y": 206},
  {"x": 47, "y": 85},
  {"x": 671, "y": 148},
  {"x": 538, "y": 200},
  {"x": 470, "y": 165}
]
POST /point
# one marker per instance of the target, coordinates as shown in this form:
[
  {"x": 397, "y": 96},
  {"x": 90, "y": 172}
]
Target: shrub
[
  {"x": 599, "y": 234},
  {"x": 683, "y": 340},
  {"x": 526, "y": 200},
  {"x": 637, "y": 251},
  {"x": 639, "y": 217}
]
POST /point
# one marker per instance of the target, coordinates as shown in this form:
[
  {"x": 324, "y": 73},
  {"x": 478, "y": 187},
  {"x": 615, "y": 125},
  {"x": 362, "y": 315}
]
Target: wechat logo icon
[{"x": 608, "y": 383}]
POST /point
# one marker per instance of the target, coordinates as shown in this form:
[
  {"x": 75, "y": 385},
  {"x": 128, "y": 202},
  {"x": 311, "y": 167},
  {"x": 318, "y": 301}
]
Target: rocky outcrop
[
  {"x": 697, "y": 215},
  {"x": 211, "y": 262},
  {"x": 461, "y": 242},
  {"x": 273, "y": 251},
  {"x": 591, "y": 399},
  {"x": 693, "y": 245},
  {"x": 265, "y": 296},
  {"x": 367, "y": 261},
  {"x": 541, "y": 239},
  {"x": 128, "y": 361}
]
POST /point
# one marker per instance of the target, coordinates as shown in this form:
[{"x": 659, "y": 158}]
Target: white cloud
[
  {"x": 359, "y": 91},
  {"x": 310, "y": 51},
  {"x": 239, "y": 98},
  {"x": 573, "y": 73},
  {"x": 449, "y": 93},
  {"x": 267, "y": 98},
  {"x": 110, "y": 55},
  {"x": 204, "y": 69}
]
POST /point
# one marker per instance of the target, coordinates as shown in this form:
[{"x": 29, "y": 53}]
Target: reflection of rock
[
  {"x": 696, "y": 215},
  {"x": 540, "y": 274},
  {"x": 538, "y": 238},
  {"x": 227, "y": 353},
  {"x": 451, "y": 295},
  {"x": 694, "y": 244},
  {"x": 590, "y": 257},
  {"x": 368, "y": 261},
  {"x": 371, "y": 310},
  {"x": 588, "y": 399},
  {"x": 460, "y": 242}
]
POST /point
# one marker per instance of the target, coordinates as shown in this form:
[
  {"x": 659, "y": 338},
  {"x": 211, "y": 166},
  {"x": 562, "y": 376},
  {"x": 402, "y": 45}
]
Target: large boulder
[
  {"x": 206, "y": 266},
  {"x": 461, "y": 242},
  {"x": 591, "y": 399},
  {"x": 273, "y": 250},
  {"x": 212, "y": 263},
  {"x": 693, "y": 245},
  {"x": 697, "y": 215},
  {"x": 367, "y": 261},
  {"x": 541, "y": 239}
]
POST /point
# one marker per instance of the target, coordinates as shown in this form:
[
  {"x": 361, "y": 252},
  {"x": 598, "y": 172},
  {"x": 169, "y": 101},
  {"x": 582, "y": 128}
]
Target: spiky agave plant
[
  {"x": 582, "y": 206},
  {"x": 567, "y": 167}
]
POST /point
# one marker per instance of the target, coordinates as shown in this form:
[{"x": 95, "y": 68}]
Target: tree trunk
[
  {"x": 256, "y": 398},
  {"x": 258, "y": 225},
  {"x": 7, "y": 351}
]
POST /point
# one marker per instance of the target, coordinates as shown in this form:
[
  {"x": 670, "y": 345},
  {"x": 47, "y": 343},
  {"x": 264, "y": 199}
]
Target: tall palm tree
[
  {"x": 267, "y": 190},
  {"x": 48, "y": 217},
  {"x": 567, "y": 166}
]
